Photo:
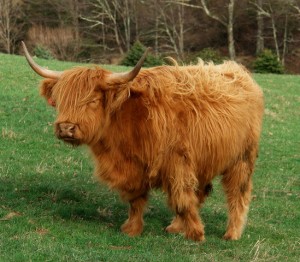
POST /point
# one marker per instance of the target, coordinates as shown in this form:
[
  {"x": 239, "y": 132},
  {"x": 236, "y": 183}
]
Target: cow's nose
[{"x": 66, "y": 129}]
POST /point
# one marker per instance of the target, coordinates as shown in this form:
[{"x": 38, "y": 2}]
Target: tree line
[{"x": 104, "y": 30}]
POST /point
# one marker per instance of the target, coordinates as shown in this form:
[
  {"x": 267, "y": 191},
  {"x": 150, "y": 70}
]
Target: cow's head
[{"x": 79, "y": 96}]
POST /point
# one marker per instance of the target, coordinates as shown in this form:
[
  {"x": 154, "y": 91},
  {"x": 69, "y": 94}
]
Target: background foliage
[
  {"x": 42, "y": 52},
  {"x": 267, "y": 62},
  {"x": 136, "y": 52},
  {"x": 103, "y": 31},
  {"x": 209, "y": 55}
]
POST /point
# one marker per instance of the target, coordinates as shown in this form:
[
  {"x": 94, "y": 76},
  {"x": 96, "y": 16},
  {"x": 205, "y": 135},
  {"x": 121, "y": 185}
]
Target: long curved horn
[
  {"x": 123, "y": 78},
  {"x": 38, "y": 69}
]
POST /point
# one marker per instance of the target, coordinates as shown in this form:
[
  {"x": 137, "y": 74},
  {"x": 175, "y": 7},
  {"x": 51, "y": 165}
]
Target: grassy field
[{"x": 52, "y": 209}]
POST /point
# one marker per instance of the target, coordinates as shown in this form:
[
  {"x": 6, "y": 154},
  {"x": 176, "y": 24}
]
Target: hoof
[
  {"x": 132, "y": 229},
  {"x": 176, "y": 226},
  {"x": 172, "y": 229},
  {"x": 231, "y": 236},
  {"x": 197, "y": 236}
]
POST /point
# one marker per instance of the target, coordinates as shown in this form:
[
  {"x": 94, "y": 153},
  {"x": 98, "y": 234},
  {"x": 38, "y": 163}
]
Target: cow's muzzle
[{"x": 67, "y": 132}]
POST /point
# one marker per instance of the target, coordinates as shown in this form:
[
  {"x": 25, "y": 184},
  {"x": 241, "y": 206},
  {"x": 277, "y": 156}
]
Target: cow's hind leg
[
  {"x": 237, "y": 184},
  {"x": 133, "y": 226}
]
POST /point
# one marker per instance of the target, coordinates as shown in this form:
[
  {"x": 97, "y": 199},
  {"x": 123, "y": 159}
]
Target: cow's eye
[{"x": 94, "y": 103}]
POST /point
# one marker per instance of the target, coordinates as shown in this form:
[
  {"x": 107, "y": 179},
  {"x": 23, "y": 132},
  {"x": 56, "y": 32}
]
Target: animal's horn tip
[
  {"x": 24, "y": 47},
  {"x": 46, "y": 73}
]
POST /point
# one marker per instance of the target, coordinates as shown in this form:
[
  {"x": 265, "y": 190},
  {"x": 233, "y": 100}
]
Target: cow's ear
[
  {"x": 139, "y": 87},
  {"x": 46, "y": 90}
]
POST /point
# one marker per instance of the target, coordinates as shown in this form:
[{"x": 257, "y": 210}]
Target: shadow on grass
[{"x": 95, "y": 203}]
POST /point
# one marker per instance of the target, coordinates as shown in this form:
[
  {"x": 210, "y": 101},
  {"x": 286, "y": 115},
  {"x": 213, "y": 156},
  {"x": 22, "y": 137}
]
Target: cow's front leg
[
  {"x": 176, "y": 225},
  {"x": 182, "y": 197},
  {"x": 187, "y": 220},
  {"x": 133, "y": 226}
]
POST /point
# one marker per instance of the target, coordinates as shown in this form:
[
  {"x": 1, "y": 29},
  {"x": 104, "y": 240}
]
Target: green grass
[{"x": 52, "y": 209}]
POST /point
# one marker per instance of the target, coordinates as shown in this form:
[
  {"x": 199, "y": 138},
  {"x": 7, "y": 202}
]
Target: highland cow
[{"x": 169, "y": 127}]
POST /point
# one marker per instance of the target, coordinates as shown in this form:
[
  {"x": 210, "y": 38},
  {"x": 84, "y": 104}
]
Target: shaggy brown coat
[{"x": 172, "y": 127}]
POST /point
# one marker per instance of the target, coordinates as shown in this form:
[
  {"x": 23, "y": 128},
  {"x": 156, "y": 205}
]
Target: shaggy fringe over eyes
[{"x": 76, "y": 87}]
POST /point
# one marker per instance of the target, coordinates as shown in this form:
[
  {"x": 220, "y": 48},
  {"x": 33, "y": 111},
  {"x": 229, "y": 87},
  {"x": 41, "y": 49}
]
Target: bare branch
[
  {"x": 208, "y": 13},
  {"x": 185, "y": 4},
  {"x": 10, "y": 26},
  {"x": 297, "y": 8},
  {"x": 260, "y": 10},
  {"x": 95, "y": 22}
]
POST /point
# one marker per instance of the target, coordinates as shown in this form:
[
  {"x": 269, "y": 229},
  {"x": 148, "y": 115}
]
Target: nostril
[
  {"x": 71, "y": 128},
  {"x": 66, "y": 129}
]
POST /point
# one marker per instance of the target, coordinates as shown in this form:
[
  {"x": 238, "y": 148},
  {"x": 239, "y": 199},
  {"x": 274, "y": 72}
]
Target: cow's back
[{"x": 207, "y": 114}]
